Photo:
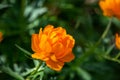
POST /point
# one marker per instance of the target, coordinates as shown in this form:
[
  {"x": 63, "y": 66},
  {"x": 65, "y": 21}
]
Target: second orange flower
[
  {"x": 110, "y": 7},
  {"x": 117, "y": 41},
  {"x": 54, "y": 46},
  {"x": 1, "y": 36}
]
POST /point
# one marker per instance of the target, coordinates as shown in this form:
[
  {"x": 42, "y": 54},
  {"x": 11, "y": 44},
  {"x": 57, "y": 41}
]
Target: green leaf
[
  {"x": 85, "y": 75},
  {"x": 25, "y": 51},
  {"x": 7, "y": 70}
]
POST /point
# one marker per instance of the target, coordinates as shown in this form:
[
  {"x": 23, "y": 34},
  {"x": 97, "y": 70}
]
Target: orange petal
[
  {"x": 53, "y": 38},
  {"x": 40, "y": 33},
  {"x": 43, "y": 40},
  {"x": 40, "y": 56},
  {"x": 65, "y": 47},
  {"x": 58, "y": 49},
  {"x": 53, "y": 58},
  {"x": 63, "y": 54},
  {"x": 60, "y": 31},
  {"x": 68, "y": 58},
  {"x": 117, "y": 41},
  {"x": 110, "y": 7},
  {"x": 35, "y": 42},
  {"x": 55, "y": 65},
  {"x": 48, "y": 29},
  {"x": 1, "y": 36},
  {"x": 68, "y": 41},
  {"x": 44, "y": 44}
]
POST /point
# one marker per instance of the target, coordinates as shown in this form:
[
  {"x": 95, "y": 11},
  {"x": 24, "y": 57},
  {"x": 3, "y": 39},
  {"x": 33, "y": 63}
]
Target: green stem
[
  {"x": 90, "y": 51},
  {"x": 105, "y": 32},
  {"x": 117, "y": 56},
  {"x": 22, "y": 49},
  {"x": 34, "y": 71},
  {"x": 112, "y": 59},
  {"x": 37, "y": 68},
  {"x": 110, "y": 49}
]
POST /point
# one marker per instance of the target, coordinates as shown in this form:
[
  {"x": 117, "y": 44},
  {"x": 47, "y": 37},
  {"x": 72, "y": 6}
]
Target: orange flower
[
  {"x": 117, "y": 40},
  {"x": 54, "y": 46},
  {"x": 1, "y": 36},
  {"x": 110, "y": 7}
]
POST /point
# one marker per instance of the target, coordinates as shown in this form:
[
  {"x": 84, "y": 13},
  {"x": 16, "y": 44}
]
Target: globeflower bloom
[
  {"x": 54, "y": 46},
  {"x": 1, "y": 36},
  {"x": 110, "y": 7},
  {"x": 117, "y": 40}
]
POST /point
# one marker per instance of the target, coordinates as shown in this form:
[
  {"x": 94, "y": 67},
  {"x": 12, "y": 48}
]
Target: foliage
[{"x": 96, "y": 58}]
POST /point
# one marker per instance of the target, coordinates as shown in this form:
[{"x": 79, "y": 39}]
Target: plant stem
[
  {"x": 90, "y": 51},
  {"x": 112, "y": 59},
  {"x": 37, "y": 68},
  {"x": 110, "y": 49},
  {"x": 34, "y": 71},
  {"x": 105, "y": 32},
  {"x": 25, "y": 51},
  {"x": 117, "y": 56}
]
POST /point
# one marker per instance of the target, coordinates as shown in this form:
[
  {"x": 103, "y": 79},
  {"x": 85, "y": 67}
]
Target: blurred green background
[{"x": 83, "y": 19}]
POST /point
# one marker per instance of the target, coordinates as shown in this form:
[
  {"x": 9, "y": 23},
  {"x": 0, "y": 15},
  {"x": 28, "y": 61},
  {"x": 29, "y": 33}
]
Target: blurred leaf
[
  {"x": 116, "y": 22},
  {"x": 17, "y": 68},
  {"x": 3, "y": 8},
  {"x": 11, "y": 73},
  {"x": 84, "y": 74},
  {"x": 25, "y": 51},
  {"x": 35, "y": 13}
]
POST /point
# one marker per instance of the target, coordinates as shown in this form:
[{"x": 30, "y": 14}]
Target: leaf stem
[
  {"x": 35, "y": 71},
  {"x": 37, "y": 68},
  {"x": 105, "y": 32},
  {"x": 25, "y": 51},
  {"x": 90, "y": 51},
  {"x": 118, "y": 55}
]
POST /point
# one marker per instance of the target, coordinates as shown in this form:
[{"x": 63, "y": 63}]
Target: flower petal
[
  {"x": 55, "y": 65},
  {"x": 68, "y": 41},
  {"x": 110, "y": 8},
  {"x": 58, "y": 47},
  {"x": 35, "y": 42},
  {"x": 68, "y": 58},
  {"x": 40, "y": 33},
  {"x": 59, "y": 50},
  {"x": 44, "y": 44},
  {"x": 117, "y": 41},
  {"x": 60, "y": 31},
  {"x": 53, "y": 58},
  {"x": 1, "y": 36},
  {"x": 48, "y": 29},
  {"x": 40, "y": 56}
]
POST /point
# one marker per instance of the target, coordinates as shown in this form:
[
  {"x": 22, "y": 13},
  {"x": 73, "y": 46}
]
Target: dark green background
[{"x": 82, "y": 19}]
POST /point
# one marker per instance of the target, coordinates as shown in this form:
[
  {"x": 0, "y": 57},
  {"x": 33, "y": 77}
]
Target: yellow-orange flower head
[
  {"x": 117, "y": 41},
  {"x": 54, "y": 46},
  {"x": 110, "y": 7},
  {"x": 1, "y": 36}
]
